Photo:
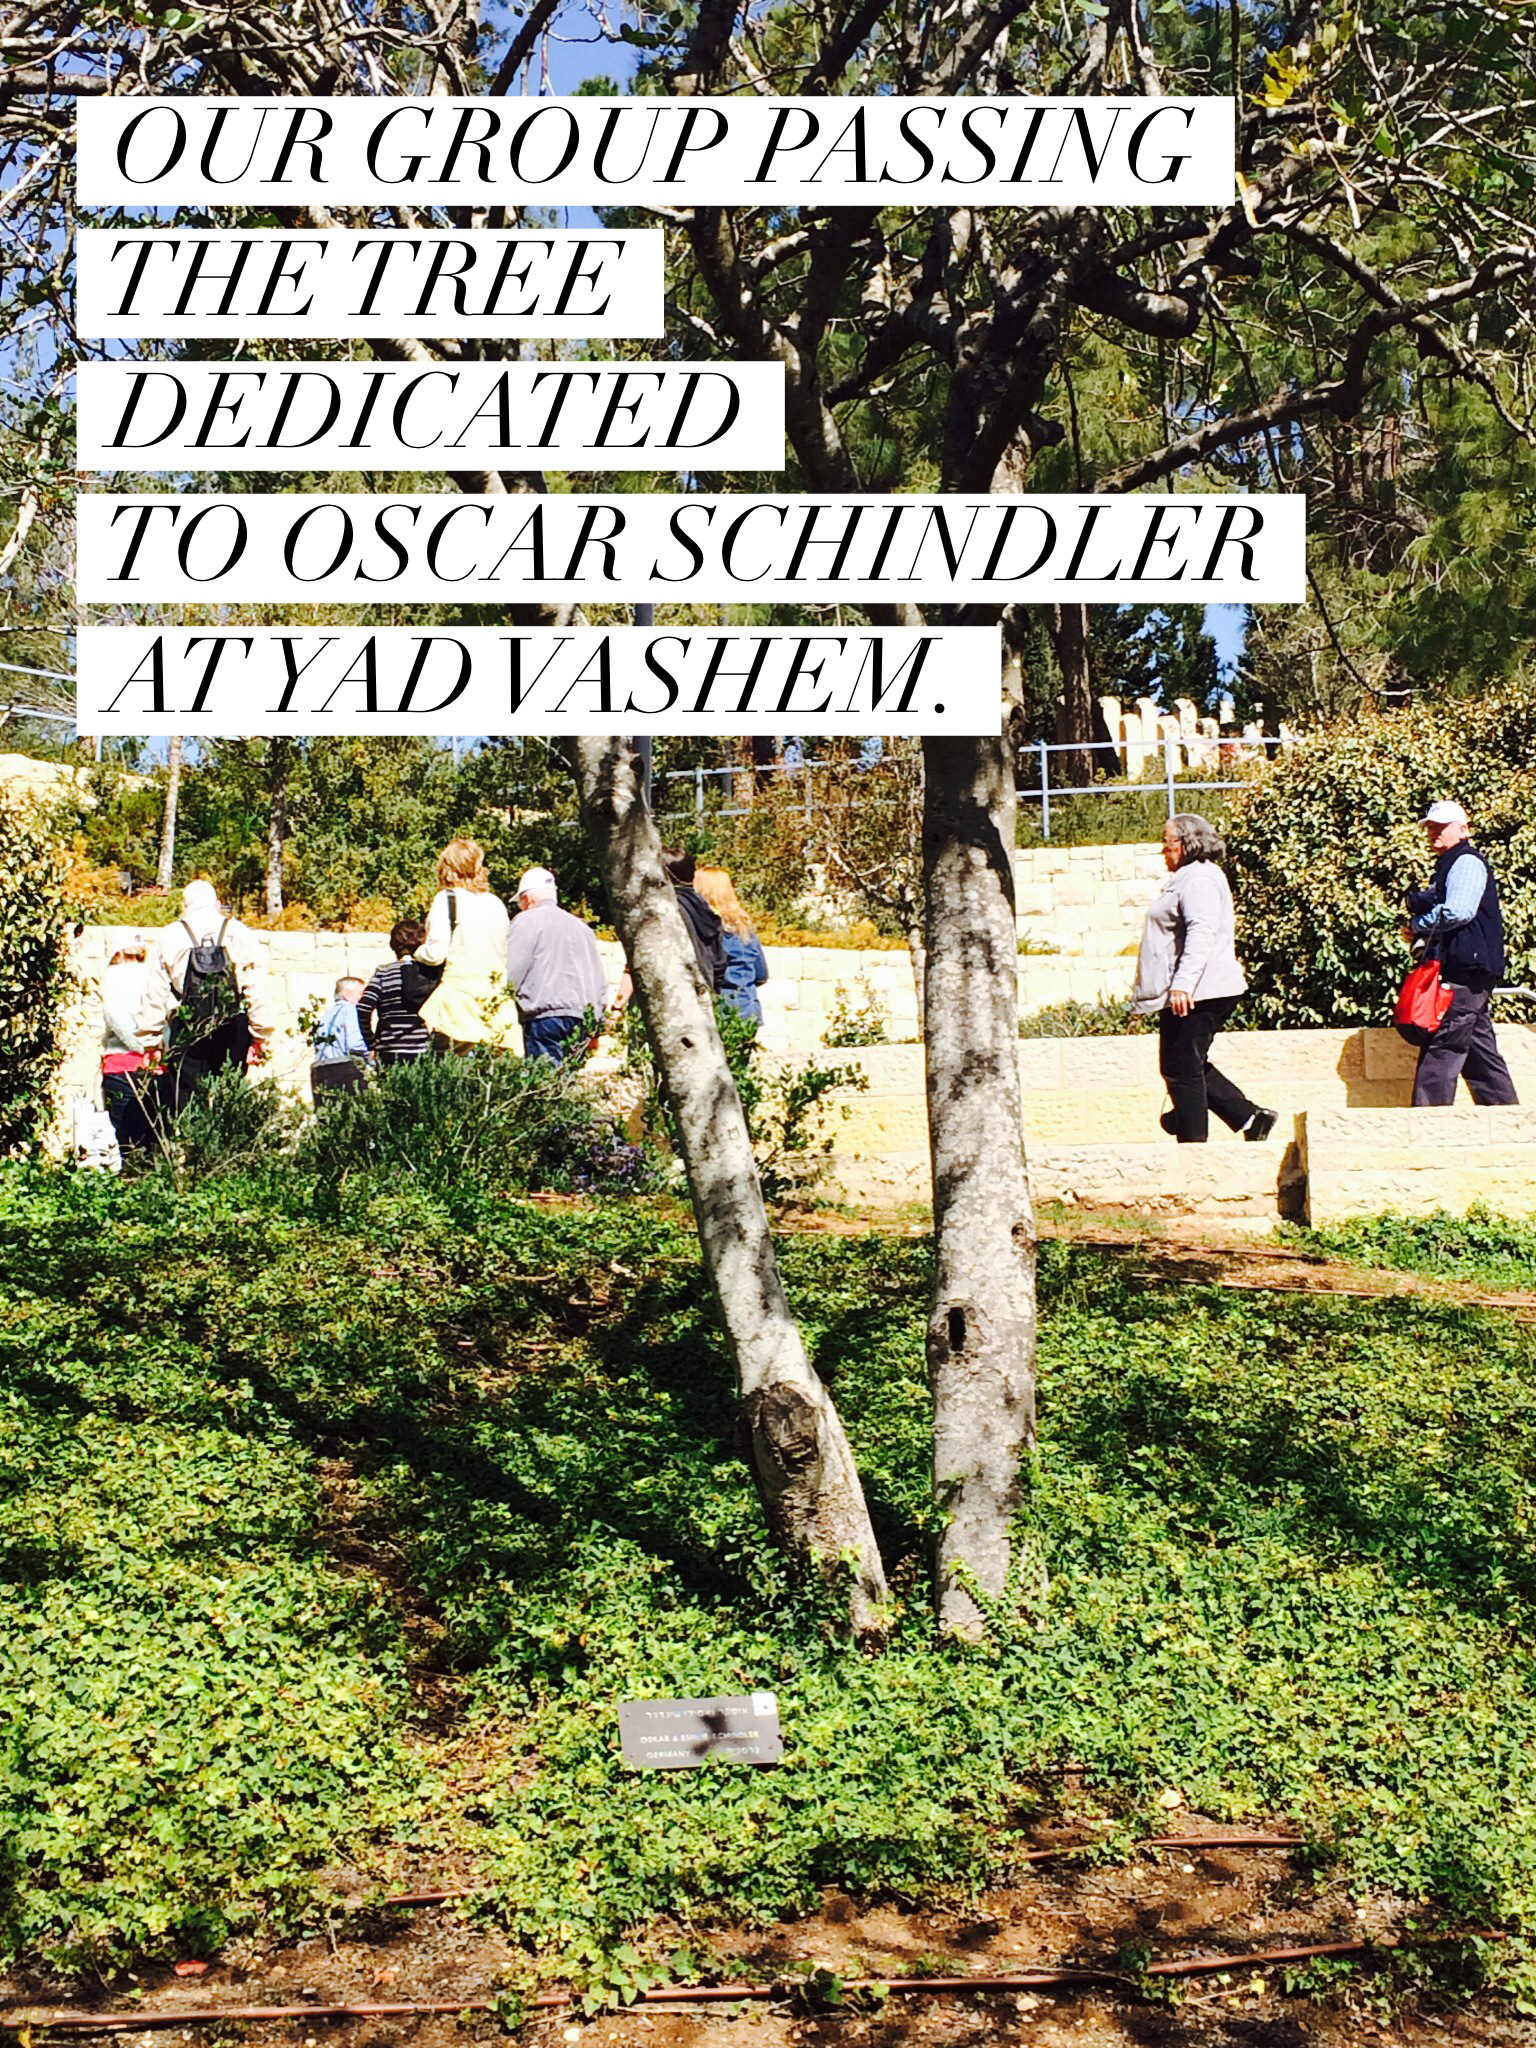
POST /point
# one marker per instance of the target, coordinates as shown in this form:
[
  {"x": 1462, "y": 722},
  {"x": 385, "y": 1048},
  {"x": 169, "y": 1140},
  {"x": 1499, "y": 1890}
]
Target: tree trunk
[
  {"x": 799, "y": 1456},
  {"x": 744, "y": 781},
  {"x": 167, "y": 862},
  {"x": 981, "y": 1329},
  {"x": 278, "y": 764},
  {"x": 1069, "y": 628},
  {"x": 917, "y": 953}
]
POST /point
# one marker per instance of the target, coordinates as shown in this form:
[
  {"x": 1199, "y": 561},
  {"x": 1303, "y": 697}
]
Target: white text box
[
  {"x": 484, "y": 679},
  {"x": 350, "y": 416},
  {"x": 746, "y": 151},
  {"x": 336, "y": 283},
  {"x": 273, "y": 548}
]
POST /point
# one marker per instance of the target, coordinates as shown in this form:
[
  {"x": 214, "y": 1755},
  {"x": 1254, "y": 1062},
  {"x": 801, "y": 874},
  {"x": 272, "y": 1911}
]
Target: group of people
[
  {"x": 1187, "y": 973},
  {"x": 475, "y": 974},
  {"x": 472, "y": 974}
]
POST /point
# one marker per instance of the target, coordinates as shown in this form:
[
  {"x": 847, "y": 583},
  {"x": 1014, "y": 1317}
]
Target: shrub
[
  {"x": 786, "y": 1107},
  {"x": 35, "y": 976},
  {"x": 229, "y": 1126},
  {"x": 1322, "y": 850},
  {"x": 857, "y": 1017},
  {"x": 1108, "y": 1018},
  {"x": 1119, "y": 815},
  {"x": 483, "y": 1121}
]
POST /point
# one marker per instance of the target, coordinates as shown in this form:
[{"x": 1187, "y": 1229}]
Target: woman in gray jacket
[{"x": 1187, "y": 971}]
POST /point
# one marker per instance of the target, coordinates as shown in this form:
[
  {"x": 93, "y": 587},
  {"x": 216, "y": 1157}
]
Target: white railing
[{"x": 700, "y": 783}]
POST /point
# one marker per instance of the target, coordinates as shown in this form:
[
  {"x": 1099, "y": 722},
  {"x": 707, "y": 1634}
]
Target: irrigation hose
[{"x": 731, "y": 1994}]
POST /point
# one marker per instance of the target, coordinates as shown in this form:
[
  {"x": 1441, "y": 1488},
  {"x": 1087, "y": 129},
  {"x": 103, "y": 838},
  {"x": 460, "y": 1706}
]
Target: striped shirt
[{"x": 389, "y": 1007}]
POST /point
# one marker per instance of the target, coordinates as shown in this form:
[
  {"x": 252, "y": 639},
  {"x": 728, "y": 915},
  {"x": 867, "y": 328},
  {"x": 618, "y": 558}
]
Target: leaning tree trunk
[
  {"x": 981, "y": 1329},
  {"x": 277, "y": 823},
  {"x": 167, "y": 863},
  {"x": 799, "y": 1456}
]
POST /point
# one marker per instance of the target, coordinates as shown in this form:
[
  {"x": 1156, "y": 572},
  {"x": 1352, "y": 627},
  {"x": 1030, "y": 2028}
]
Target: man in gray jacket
[
  {"x": 1187, "y": 971},
  {"x": 555, "y": 970}
]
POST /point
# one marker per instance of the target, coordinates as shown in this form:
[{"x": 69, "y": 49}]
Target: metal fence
[{"x": 704, "y": 786}]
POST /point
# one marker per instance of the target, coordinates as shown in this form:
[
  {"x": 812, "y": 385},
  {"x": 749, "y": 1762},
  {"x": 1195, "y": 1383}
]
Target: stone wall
[
  {"x": 1090, "y": 1122},
  {"x": 1080, "y": 906},
  {"x": 1346, "y": 1143},
  {"x": 1413, "y": 1162},
  {"x": 805, "y": 985},
  {"x": 1080, "y": 912}
]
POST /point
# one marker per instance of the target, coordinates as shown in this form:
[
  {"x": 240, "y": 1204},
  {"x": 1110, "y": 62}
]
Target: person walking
[
  {"x": 1457, "y": 919},
  {"x": 1187, "y": 972},
  {"x": 389, "y": 1008},
  {"x": 467, "y": 929},
  {"x": 746, "y": 965},
  {"x": 555, "y": 970},
  {"x": 341, "y": 1050},
  {"x": 126, "y": 1083},
  {"x": 704, "y": 927},
  {"x": 207, "y": 984},
  {"x": 701, "y": 923}
]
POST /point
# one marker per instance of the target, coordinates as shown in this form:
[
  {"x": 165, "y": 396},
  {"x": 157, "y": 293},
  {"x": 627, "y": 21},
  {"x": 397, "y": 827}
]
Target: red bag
[{"x": 1422, "y": 1002}]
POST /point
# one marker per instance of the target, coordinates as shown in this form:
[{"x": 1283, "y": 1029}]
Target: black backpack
[{"x": 207, "y": 981}]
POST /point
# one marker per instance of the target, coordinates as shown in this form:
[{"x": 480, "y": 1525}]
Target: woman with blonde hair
[
  {"x": 467, "y": 930},
  {"x": 746, "y": 966}
]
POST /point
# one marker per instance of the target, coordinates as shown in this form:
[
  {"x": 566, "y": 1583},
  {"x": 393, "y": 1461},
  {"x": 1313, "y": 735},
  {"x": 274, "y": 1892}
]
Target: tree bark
[
  {"x": 1069, "y": 629},
  {"x": 799, "y": 1455},
  {"x": 278, "y": 763},
  {"x": 917, "y": 953},
  {"x": 981, "y": 1329},
  {"x": 167, "y": 863}
]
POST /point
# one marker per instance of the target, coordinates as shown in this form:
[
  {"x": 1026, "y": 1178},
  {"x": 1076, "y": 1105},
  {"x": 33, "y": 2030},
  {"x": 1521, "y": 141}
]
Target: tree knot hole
[{"x": 956, "y": 1325}]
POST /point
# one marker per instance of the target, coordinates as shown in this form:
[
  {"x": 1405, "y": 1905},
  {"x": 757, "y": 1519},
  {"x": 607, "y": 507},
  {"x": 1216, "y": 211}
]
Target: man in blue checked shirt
[
  {"x": 1457, "y": 920},
  {"x": 341, "y": 1051}
]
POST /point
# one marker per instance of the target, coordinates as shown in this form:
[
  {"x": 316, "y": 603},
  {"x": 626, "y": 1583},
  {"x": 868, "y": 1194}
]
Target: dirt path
[
  {"x": 1185, "y": 1251},
  {"x": 1187, "y": 1256},
  {"x": 1173, "y": 1903}
]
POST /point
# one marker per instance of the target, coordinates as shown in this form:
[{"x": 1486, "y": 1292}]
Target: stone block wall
[
  {"x": 1086, "y": 905},
  {"x": 1090, "y": 1123},
  {"x": 805, "y": 986},
  {"x": 1413, "y": 1162}
]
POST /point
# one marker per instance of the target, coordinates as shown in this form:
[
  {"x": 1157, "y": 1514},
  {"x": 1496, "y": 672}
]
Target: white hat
[
  {"x": 538, "y": 883},
  {"x": 200, "y": 900},
  {"x": 1446, "y": 812}
]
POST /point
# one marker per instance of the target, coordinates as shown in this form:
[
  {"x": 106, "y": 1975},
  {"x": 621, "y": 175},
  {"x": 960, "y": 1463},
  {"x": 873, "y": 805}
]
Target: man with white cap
[
  {"x": 207, "y": 981},
  {"x": 1458, "y": 919},
  {"x": 555, "y": 970}
]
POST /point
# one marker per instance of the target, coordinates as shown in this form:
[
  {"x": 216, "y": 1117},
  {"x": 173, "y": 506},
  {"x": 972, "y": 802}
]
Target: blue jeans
[{"x": 553, "y": 1038}]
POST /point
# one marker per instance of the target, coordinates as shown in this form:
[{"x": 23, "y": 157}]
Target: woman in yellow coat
[{"x": 467, "y": 935}]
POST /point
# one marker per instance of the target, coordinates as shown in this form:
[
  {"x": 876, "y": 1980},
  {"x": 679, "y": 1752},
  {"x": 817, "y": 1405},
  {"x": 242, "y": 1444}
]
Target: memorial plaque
[{"x": 673, "y": 1735}]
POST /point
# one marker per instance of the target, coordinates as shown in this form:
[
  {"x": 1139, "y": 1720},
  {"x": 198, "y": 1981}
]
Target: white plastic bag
[{"x": 92, "y": 1140}]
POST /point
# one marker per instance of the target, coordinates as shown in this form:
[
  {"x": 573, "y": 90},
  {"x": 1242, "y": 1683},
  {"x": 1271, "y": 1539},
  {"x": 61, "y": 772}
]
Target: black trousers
[
  {"x": 1463, "y": 1046},
  {"x": 129, "y": 1098},
  {"x": 201, "y": 1058},
  {"x": 1184, "y": 1061}
]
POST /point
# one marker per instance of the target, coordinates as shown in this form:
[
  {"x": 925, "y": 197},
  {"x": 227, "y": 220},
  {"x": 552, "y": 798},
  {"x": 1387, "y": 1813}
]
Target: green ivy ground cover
[
  {"x": 1290, "y": 1546},
  {"x": 1489, "y": 1251}
]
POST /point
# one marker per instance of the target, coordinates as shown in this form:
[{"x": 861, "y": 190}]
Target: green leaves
[
  {"x": 35, "y": 978},
  {"x": 1322, "y": 850},
  {"x": 1289, "y": 1545}
]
